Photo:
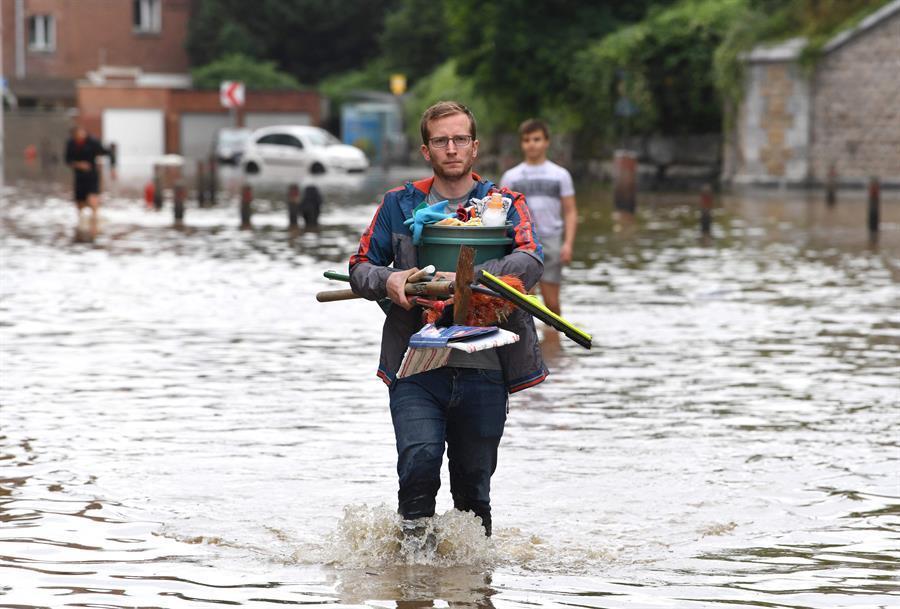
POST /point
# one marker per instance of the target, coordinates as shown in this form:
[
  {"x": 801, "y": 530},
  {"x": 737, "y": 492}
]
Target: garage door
[
  {"x": 139, "y": 136},
  {"x": 198, "y": 129}
]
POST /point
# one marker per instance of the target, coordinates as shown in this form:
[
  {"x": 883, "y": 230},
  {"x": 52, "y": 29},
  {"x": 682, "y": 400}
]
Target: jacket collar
[{"x": 424, "y": 185}]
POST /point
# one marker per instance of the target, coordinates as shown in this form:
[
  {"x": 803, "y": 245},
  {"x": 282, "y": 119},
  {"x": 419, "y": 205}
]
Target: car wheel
[
  {"x": 251, "y": 168},
  {"x": 317, "y": 168}
]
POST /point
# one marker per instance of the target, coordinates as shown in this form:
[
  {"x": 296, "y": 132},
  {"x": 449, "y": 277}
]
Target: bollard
[
  {"x": 246, "y": 205},
  {"x": 178, "y": 203},
  {"x": 831, "y": 186},
  {"x": 874, "y": 204},
  {"x": 213, "y": 181},
  {"x": 201, "y": 183},
  {"x": 311, "y": 206},
  {"x": 625, "y": 180},
  {"x": 157, "y": 188},
  {"x": 293, "y": 205},
  {"x": 706, "y": 204}
]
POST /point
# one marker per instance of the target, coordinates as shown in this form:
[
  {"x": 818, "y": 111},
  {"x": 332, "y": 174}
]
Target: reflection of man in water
[
  {"x": 463, "y": 404},
  {"x": 81, "y": 155}
]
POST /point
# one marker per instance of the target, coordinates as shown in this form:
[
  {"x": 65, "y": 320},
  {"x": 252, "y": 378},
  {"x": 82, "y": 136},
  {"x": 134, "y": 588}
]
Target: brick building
[
  {"x": 794, "y": 124},
  {"x": 120, "y": 69},
  {"x": 48, "y": 45}
]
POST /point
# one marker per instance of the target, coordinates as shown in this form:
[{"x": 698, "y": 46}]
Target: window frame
[
  {"x": 47, "y": 29},
  {"x": 152, "y": 11}
]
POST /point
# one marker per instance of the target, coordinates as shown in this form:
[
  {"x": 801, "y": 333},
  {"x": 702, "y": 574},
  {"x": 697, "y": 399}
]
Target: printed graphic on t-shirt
[
  {"x": 537, "y": 187},
  {"x": 544, "y": 186}
]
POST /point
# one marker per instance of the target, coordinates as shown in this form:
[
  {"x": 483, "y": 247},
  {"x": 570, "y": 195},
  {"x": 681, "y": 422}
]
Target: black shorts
[{"x": 86, "y": 184}]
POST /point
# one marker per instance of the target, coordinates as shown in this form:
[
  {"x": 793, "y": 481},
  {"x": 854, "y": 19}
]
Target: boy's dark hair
[
  {"x": 440, "y": 110},
  {"x": 534, "y": 124}
]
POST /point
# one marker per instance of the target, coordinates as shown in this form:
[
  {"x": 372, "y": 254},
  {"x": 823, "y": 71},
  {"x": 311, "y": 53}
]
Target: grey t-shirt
[{"x": 483, "y": 360}]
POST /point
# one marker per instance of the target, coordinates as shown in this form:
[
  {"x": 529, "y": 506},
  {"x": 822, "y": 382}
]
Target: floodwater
[{"x": 183, "y": 425}]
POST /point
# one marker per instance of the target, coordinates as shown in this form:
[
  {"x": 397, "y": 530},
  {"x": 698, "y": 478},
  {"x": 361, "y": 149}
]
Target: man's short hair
[
  {"x": 440, "y": 110},
  {"x": 534, "y": 124}
]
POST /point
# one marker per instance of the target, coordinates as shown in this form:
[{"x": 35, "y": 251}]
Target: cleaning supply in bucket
[{"x": 494, "y": 213}]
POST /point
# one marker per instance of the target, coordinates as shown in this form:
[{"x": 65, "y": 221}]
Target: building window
[
  {"x": 147, "y": 16},
  {"x": 41, "y": 33}
]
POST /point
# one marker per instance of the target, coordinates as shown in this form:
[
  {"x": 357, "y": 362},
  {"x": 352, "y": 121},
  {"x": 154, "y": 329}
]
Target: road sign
[{"x": 231, "y": 94}]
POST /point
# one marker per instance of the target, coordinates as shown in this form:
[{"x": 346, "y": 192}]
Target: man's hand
[
  {"x": 565, "y": 253},
  {"x": 445, "y": 276},
  {"x": 82, "y": 165},
  {"x": 396, "y": 288}
]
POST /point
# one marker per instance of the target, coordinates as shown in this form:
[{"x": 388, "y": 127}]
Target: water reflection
[{"x": 181, "y": 424}]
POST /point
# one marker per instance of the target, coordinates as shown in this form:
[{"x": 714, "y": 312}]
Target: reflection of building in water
[{"x": 793, "y": 124}]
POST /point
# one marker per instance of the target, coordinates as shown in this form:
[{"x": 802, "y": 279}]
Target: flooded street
[{"x": 183, "y": 425}]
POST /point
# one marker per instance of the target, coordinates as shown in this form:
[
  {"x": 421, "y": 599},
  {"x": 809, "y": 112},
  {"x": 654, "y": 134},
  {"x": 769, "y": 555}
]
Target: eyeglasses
[{"x": 460, "y": 141}]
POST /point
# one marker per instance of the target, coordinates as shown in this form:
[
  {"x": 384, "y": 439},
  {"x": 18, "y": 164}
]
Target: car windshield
[{"x": 320, "y": 137}]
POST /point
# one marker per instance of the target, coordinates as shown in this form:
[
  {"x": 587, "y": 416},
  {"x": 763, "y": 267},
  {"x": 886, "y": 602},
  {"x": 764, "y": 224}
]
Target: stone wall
[
  {"x": 793, "y": 125},
  {"x": 856, "y": 110}
]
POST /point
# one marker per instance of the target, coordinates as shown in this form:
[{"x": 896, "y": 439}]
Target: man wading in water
[
  {"x": 81, "y": 155},
  {"x": 463, "y": 404}
]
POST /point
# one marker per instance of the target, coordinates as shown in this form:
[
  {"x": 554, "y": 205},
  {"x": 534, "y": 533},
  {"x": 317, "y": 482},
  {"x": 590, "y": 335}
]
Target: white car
[{"x": 292, "y": 151}]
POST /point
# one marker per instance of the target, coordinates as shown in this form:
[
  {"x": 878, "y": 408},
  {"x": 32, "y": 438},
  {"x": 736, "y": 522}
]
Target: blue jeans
[{"x": 464, "y": 407}]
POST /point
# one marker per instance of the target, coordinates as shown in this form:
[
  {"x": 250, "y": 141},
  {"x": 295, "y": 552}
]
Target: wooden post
[
  {"x": 293, "y": 205},
  {"x": 625, "y": 180},
  {"x": 874, "y": 204},
  {"x": 178, "y": 203},
  {"x": 246, "y": 206},
  {"x": 201, "y": 183},
  {"x": 157, "y": 187},
  {"x": 706, "y": 205},
  {"x": 831, "y": 186}
]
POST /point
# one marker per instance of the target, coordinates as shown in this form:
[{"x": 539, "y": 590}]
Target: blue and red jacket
[{"x": 386, "y": 247}]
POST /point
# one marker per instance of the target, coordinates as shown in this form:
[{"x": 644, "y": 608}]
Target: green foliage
[
  {"x": 254, "y": 74},
  {"x": 519, "y": 52},
  {"x": 414, "y": 40},
  {"x": 309, "y": 39},
  {"x": 373, "y": 76},
  {"x": 663, "y": 65}
]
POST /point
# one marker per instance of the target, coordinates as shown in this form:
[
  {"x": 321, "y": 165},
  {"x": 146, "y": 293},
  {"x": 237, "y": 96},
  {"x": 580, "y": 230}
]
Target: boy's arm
[{"x": 570, "y": 223}]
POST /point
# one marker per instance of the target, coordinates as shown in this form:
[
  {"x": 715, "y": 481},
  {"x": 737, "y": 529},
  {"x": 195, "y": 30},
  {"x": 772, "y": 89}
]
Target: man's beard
[{"x": 456, "y": 171}]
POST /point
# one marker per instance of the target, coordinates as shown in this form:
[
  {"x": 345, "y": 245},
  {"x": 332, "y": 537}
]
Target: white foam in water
[{"x": 372, "y": 536}]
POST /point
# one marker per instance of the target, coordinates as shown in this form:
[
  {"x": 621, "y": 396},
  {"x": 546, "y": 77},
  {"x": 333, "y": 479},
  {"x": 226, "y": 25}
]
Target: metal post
[
  {"x": 178, "y": 206},
  {"x": 874, "y": 204},
  {"x": 831, "y": 186},
  {"x": 246, "y": 206},
  {"x": 201, "y": 183},
  {"x": 213, "y": 181},
  {"x": 625, "y": 180},
  {"x": 706, "y": 204},
  {"x": 293, "y": 205},
  {"x": 157, "y": 187}
]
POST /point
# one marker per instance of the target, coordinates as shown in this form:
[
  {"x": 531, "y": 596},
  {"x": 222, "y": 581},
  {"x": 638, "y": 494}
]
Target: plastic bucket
[{"x": 440, "y": 244}]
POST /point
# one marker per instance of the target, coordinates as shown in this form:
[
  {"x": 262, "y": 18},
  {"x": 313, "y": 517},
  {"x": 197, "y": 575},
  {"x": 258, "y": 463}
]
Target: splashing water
[{"x": 373, "y": 537}]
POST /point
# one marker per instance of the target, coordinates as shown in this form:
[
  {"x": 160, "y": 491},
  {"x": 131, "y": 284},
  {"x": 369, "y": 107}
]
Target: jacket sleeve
[
  {"x": 369, "y": 269},
  {"x": 526, "y": 260},
  {"x": 70, "y": 153}
]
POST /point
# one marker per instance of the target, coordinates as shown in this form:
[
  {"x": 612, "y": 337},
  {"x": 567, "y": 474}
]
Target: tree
[
  {"x": 254, "y": 74},
  {"x": 519, "y": 52},
  {"x": 308, "y": 39},
  {"x": 414, "y": 40}
]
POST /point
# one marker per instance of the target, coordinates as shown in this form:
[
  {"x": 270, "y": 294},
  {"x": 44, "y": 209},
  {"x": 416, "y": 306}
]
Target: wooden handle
[
  {"x": 335, "y": 295},
  {"x": 420, "y": 275}
]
